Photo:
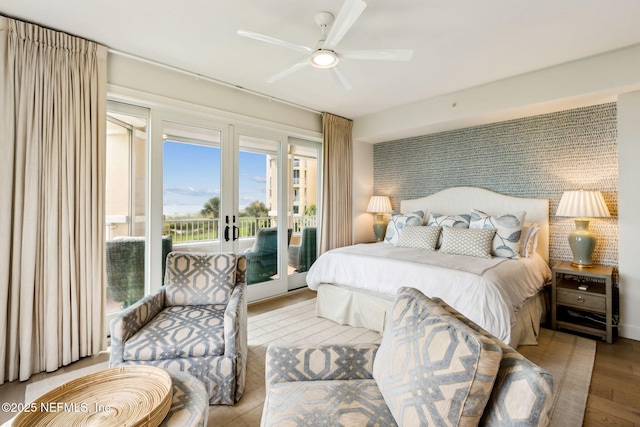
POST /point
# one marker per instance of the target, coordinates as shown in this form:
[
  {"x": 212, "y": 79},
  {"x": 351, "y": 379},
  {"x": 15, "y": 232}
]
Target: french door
[{"x": 221, "y": 191}]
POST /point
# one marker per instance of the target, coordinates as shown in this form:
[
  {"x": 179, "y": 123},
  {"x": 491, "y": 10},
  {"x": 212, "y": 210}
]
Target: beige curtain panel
[
  {"x": 337, "y": 187},
  {"x": 52, "y": 140}
]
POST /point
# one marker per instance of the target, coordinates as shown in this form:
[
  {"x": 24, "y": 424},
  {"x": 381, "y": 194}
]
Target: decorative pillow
[
  {"x": 431, "y": 368},
  {"x": 529, "y": 240},
  {"x": 419, "y": 237},
  {"x": 506, "y": 243},
  {"x": 457, "y": 221},
  {"x": 397, "y": 221},
  {"x": 523, "y": 392},
  {"x": 467, "y": 241}
]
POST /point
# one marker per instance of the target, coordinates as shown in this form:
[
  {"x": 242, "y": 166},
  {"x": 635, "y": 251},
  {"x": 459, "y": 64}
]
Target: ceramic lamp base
[
  {"x": 582, "y": 242},
  {"x": 379, "y": 231}
]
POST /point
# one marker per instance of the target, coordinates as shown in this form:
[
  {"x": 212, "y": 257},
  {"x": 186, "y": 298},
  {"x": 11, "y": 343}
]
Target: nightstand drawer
[{"x": 585, "y": 300}]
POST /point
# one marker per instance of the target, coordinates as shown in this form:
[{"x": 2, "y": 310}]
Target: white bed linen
[{"x": 489, "y": 292}]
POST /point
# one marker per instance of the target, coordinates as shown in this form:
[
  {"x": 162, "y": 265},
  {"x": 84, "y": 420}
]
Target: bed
[{"x": 356, "y": 285}]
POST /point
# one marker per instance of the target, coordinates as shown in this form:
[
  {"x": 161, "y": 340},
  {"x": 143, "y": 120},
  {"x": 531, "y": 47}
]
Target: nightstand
[{"x": 582, "y": 299}]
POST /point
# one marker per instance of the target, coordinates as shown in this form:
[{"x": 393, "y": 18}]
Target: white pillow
[
  {"x": 506, "y": 243},
  {"x": 457, "y": 221},
  {"x": 419, "y": 237},
  {"x": 529, "y": 239},
  {"x": 467, "y": 241},
  {"x": 397, "y": 221}
]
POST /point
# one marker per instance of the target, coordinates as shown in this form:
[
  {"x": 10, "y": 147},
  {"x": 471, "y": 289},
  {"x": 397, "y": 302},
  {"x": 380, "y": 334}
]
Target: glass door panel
[
  {"x": 192, "y": 195},
  {"x": 125, "y": 208},
  {"x": 260, "y": 236},
  {"x": 303, "y": 208}
]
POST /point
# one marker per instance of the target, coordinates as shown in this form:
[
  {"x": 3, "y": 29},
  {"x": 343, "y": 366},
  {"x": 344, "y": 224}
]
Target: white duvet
[{"x": 488, "y": 291}]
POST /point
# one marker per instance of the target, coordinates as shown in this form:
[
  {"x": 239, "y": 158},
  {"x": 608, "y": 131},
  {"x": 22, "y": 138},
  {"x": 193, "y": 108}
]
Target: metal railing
[{"x": 206, "y": 229}]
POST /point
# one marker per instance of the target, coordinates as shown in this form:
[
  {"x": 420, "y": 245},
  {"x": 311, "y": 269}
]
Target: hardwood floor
[{"x": 614, "y": 395}]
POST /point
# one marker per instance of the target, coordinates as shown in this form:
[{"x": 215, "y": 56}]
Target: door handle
[
  {"x": 226, "y": 233},
  {"x": 236, "y": 233}
]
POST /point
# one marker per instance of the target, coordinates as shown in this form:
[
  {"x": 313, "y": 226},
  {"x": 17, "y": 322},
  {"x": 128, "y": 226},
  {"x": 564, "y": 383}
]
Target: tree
[
  {"x": 211, "y": 208},
  {"x": 257, "y": 209},
  {"x": 310, "y": 211}
]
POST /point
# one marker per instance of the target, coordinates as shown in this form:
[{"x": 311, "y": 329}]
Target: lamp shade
[
  {"x": 583, "y": 204},
  {"x": 379, "y": 204}
]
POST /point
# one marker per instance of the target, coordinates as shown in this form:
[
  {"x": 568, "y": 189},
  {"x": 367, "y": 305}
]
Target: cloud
[
  {"x": 259, "y": 178},
  {"x": 191, "y": 191}
]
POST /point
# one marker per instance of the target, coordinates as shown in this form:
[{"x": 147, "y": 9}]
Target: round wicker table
[{"x": 131, "y": 395}]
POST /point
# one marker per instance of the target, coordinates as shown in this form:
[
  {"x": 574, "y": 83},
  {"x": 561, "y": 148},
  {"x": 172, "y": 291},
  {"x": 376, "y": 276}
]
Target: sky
[{"x": 192, "y": 176}]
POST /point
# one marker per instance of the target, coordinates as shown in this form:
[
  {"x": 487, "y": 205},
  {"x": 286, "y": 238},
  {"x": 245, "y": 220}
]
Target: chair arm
[
  {"x": 235, "y": 322},
  {"x": 131, "y": 320},
  {"x": 285, "y": 363}
]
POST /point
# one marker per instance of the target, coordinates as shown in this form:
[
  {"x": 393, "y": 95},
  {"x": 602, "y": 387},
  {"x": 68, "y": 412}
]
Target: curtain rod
[{"x": 210, "y": 79}]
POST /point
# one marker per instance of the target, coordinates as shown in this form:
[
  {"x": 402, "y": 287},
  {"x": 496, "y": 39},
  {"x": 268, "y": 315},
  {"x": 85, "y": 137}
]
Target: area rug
[{"x": 569, "y": 359}]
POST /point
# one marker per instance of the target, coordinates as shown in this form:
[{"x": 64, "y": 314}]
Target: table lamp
[
  {"x": 582, "y": 205},
  {"x": 379, "y": 205}
]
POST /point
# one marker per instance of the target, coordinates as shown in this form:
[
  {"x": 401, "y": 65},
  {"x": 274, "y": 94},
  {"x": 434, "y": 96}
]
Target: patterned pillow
[
  {"x": 529, "y": 239},
  {"x": 419, "y": 237},
  {"x": 506, "y": 243},
  {"x": 431, "y": 368},
  {"x": 467, "y": 241},
  {"x": 397, "y": 221},
  {"x": 457, "y": 221},
  {"x": 523, "y": 392}
]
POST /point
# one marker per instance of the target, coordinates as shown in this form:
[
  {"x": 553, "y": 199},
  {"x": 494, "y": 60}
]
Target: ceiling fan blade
[
  {"x": 293, "y": 68},
  {"x": 273, "y": 40},
  {"x": 379, "y": 55},
  {"x": 349, "y": 13},
  {"x": 340, "y": 78}
]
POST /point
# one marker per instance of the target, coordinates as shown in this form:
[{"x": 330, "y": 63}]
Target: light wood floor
[{"x": 614, "y": 395}]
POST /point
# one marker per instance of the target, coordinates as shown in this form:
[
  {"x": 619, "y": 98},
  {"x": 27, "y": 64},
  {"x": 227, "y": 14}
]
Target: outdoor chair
[
  {"x": 262, "y": 258},
  {"x": 125, "y": 267},
  {"x": 303, "y": 255}
]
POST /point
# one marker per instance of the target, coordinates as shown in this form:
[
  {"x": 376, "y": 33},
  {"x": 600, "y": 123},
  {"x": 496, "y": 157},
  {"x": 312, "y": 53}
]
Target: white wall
[
  {"x": 128, "y": 73},
  {"x": 362, "y": 191},
  {"x": 610, "y": 77},
  {"x": 628, "y": 208}
]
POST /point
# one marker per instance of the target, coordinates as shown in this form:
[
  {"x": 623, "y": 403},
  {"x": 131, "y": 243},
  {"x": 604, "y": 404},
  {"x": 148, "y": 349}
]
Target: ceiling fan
[{"x": 324, "y": 54}]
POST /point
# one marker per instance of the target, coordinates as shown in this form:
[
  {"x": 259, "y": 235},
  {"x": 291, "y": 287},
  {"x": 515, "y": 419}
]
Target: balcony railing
[{"x": 206, "y": 229}]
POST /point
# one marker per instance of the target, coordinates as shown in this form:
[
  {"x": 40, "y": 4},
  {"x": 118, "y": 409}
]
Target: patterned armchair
[
  {"x": 433, "y": 367},
  {"x": 197, "y": 323}
]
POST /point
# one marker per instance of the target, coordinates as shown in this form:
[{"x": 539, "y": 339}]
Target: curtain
[
  {"x": 337, "y": 188},
  {"x": 52, "y": 163}
]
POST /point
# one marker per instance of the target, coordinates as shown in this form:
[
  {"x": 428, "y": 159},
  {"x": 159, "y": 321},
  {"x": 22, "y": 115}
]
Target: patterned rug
[{"x": 569, "y": 359}]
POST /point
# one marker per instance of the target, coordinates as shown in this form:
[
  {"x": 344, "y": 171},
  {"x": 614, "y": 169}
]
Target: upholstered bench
[
  {"x": 433, "y": 367},
  {"x": 190, "y": 401}
]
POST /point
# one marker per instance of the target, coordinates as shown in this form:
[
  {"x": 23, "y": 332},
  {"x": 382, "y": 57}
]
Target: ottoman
[{"x": 190, "y": 402}]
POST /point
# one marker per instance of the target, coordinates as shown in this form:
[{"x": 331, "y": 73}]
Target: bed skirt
[{"x": 359, "y": 308}]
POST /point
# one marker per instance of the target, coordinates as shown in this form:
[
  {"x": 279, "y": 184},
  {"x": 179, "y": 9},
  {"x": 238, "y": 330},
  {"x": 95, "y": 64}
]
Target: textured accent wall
[{"x": 540, "y": 156}]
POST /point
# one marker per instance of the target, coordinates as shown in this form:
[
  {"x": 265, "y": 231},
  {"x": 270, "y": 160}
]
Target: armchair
[
  {"x": 197, "y": 323},
  {"x": 433, "y": 367},
  {"x": 303, "y": 255},
  {"x": 262, "y": 258},
  {"x": 124, "y": 263}
]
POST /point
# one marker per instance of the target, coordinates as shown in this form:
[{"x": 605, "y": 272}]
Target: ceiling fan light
[{"x": 323, "y": 58}]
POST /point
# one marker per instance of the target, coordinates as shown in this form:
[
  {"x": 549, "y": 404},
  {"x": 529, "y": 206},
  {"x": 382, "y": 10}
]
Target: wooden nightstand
[{"x": 582, "y": 299}]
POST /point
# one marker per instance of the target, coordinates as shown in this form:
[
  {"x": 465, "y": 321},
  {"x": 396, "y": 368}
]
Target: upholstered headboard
[{"x": 459, "y": 200}]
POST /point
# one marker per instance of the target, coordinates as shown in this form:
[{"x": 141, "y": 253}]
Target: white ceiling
[{"x": 457, "y": 44}]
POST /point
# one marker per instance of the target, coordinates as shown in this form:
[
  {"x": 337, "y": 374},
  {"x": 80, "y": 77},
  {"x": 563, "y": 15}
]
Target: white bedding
[{"x": 487, "y": 291}]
